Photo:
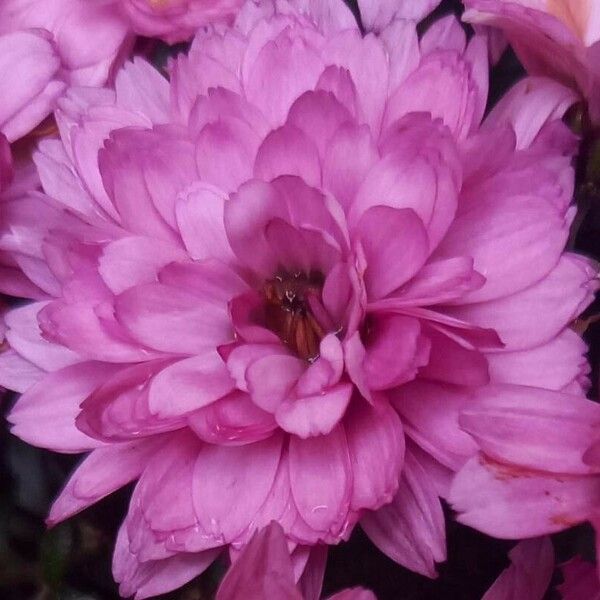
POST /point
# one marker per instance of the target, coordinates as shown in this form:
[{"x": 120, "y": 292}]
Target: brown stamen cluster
[{"x": 289, "y": 315}]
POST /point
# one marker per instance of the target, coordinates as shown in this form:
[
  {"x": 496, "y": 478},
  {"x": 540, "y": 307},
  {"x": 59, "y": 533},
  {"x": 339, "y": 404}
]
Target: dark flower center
[{"x": 291, "y": 302}]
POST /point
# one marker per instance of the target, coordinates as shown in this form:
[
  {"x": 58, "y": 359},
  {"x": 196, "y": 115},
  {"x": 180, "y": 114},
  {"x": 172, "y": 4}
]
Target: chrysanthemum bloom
[
  {"x": 558, "y": 38},
  {"x": 271, "y": 285},
  {"x": 46, "y": 45},
  {"x": 528, "y": 575},
  {"x": 264, "y": 571}
]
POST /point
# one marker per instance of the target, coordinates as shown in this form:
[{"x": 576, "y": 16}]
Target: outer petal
[
  {"x": 101, "y": 473},
  {"x": 375, "y": 15},
  {"x": 531, "y": 427},
  {"x": 45, "y": 414},
  {"x": 510, "y": 502},
  {"x": 410, "y": 529}
]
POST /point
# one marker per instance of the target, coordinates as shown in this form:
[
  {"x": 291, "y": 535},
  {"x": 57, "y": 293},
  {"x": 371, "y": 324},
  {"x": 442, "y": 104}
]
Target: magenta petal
[
  {"x": 552, "y": 365},
  {"x": 199, "y": 214},
  {"x": 131, "y": 261},
  {"x": 429, "y": 414},
  {"x": 411, "y": 529},
  {"x": 529, "y": 574},
  {"x": 288, "y": 151},
  {"x": 311, "y": 580},
  {"x": 533, "y": 427},
  {"x": 451, "y": 362},
  {"x": 395, "y": 349},
  {"x": 396, "y": 246},
  {"x": 510, "y": 502},
  {"x": 271, "y": 379},
  {"x": 263, "y": 569},
  {"x": 188, "y": 385},
  {"x": 172, "y": 320},
  {"x": 314, "y": 415},
  {"x": 232, "y": 484},
  {"x": 45, "y": 415},
  {"x": 101, "y": 473},
  {"x": 234, "y": 419},
  {"x": 154, "y": 577},
  {"x": 320, "y": 476},
  {"x": 376, "y": 443}
]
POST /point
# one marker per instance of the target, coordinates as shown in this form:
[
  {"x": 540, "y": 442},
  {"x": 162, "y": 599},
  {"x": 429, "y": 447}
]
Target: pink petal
[
  {"x": 141, "y": 88},
  {"x": 529, "y": 574},
  {"x": 16, "y": 373},
  {"x": 411, "y": 529},
  {"x": 451, "y": 362},
  {"x": 207, "y": 279},
  {"x": 440, "y": 281},
  {"x": 172, "y": 320},
  {"x": 288, "y": 151},
  {"x": 347, "y": 160},
  {"x": 552, "y": 365},
  {"x": 45, "y": 415},
  {"x": 354, "y": 594},
  {"x": 319, "y": 115},
  {"x": 188, "y": 385},
  {"x": 271, "y": 379},
  {"x": 386, "y": 233},
  {"x": 320, "y": 477},
  {"x": 509, "y": 502},
  {"x": 118, "y": 409},
  {"x": 101, "y": 473},
  {"x": 395, "y": 350},
  {"x": 263, "y": 569},
  {"x": 27, "y": 100},
  {"x": 376, "y": 14},
  {"x": 487, "y": 229},
  {"x": 314, "y": 415},
  {"x": 376, "y": 443},
  {"x": 233, "y": 483},
  {"x": 131, "y": 261},
  {"x": 311, "y": 580},
  {"x": 199, "y": 213},
  {"x": 429, "y": 414},
  {"x": 532, "y": 427},
  {"x": 560, "y": 297},
  {"x": 225, "y": 152},
  {"x": 530, "y": 104},
  {"x": 234, "y": 419},
  {"x": 154, "y": 577}
]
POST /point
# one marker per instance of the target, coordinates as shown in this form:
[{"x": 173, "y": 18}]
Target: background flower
[{"x": 559, "y": 39}]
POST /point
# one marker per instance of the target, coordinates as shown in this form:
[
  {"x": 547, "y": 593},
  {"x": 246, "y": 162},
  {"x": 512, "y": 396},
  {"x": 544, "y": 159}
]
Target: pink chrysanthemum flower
[
  {"x": 558, "y": 38},
  {"x": 267, "y": 288}
]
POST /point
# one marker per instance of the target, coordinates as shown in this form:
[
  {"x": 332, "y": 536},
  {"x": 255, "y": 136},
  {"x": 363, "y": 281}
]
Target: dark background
[{"x": 72, "y": 561}]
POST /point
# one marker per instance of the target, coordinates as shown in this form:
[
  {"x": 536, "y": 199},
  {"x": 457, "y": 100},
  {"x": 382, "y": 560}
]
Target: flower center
[{"x": 295, "y": 313}]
